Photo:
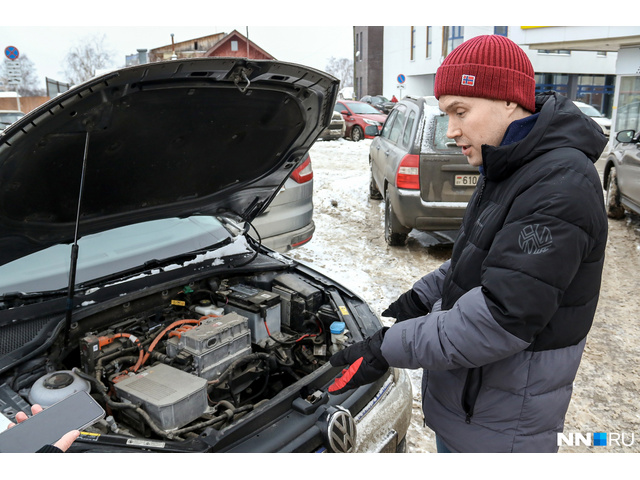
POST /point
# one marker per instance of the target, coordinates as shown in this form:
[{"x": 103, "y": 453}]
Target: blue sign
[
  {"x": 401, "y": 78},
  {"x": 11, "y": 53}
]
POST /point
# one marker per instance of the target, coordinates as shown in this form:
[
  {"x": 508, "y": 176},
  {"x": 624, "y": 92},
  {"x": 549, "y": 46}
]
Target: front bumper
[{"x": 383, "y": 424}]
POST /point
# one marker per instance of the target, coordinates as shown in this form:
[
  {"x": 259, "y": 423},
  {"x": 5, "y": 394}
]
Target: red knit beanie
[{"x": 488, "y": 66}]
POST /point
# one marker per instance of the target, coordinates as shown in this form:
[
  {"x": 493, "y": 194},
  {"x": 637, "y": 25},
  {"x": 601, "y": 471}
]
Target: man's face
[{"x": 474, "y": 122}]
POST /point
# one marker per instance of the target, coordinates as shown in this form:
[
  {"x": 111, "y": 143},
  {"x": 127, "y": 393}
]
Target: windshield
[
  {"x": 589, "y": 110},
  {"x": 7, "y": 118},
  {"x": 110, "y": 252},
  {"x": 363, "y": 109}
]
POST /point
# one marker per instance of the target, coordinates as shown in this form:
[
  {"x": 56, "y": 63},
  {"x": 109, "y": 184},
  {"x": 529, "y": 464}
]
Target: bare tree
[
  {"x": 342, "y": 69},
  {"x": 84, "y": 59},
  {"x": 28, "y": 85}
]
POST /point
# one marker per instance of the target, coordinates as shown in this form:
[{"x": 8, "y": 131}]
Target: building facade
[
  {"x": 368, "y": 61},
  {"x": 414, "y": 53}
]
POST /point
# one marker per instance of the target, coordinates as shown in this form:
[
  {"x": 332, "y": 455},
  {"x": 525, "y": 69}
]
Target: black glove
[
  {"x": 366, "y": 363},
  {"x": 408, "y": 305}
]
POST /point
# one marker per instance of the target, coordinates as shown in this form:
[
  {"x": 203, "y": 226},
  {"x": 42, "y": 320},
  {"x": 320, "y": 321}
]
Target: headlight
[{"x": 372, "y": 122}]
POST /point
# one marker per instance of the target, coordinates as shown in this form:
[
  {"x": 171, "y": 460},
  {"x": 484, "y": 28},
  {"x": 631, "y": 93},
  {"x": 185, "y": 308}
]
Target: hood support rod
[{"x": 74, "y": 248}]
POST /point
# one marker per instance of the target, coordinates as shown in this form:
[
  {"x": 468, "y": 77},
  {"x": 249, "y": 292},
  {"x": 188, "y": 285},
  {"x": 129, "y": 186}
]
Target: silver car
[{"x": 288, "y": 220}]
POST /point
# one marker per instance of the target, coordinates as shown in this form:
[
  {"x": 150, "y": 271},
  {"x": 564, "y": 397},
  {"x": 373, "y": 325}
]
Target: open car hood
[{"x": 160, "y": 140}]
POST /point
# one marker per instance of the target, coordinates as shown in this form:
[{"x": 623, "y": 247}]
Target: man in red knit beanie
[{"x": 499, "y": 329}]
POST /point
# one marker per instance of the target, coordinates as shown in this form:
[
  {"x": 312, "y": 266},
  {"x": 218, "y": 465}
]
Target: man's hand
[
  {"x": 408, "y": 305},
  {"x": 65, "y": 441},
  {"x": 366, "y": 361}
]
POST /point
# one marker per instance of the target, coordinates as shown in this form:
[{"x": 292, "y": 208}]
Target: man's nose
[{"x": 453, "y": 130}]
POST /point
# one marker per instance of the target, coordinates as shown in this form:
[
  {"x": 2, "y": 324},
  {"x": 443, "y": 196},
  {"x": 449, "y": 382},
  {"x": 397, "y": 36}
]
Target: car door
[
  {"x": 629, "y": 174},
  {"x": 348, "y": 118}
]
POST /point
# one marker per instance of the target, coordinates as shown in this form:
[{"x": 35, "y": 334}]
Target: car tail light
[
  {"x": 408, "y": 175},
  {"x": 304, "y": 172}
]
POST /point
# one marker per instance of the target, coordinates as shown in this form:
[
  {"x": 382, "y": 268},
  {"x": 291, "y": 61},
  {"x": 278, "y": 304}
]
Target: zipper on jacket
[{"x": 471, "y": 391}]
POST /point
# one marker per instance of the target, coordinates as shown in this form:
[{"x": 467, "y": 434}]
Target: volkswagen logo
[{"x": 341, "y": 431}]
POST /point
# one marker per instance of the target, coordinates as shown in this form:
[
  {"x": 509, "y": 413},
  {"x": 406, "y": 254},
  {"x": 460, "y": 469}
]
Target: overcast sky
[
  {"x": 46, "y": 46},
  {"x": 299, "y": 31}
]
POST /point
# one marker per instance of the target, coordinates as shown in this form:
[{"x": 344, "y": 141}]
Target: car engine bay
[{"x": 171, "y": 364}]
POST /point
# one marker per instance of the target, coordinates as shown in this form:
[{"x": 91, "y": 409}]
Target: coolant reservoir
[
  {"x": 338, "y": 336},
  {"x": 55, "y": 386}
]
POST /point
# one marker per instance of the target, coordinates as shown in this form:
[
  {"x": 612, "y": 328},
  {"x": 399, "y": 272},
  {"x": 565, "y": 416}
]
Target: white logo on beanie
[{"x": 468, "y": 80}]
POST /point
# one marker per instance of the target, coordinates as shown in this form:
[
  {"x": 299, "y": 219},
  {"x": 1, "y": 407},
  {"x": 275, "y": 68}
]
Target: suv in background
[
  {"x": 336, "y": 128},
  {"x": 622, "y": 175},
  {"x": 423, "y": 177}
]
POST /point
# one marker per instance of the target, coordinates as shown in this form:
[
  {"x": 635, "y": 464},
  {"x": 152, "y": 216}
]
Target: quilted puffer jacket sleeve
[
  {"x": 429, "y": 287},
  {"x": 465, "y": 336}
]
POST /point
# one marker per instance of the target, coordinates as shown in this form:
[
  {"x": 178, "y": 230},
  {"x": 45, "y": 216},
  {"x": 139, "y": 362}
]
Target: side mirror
[
  {"x": 625, "y": 136},
  {"x": 371, "y": 131},
  {"x": 344, "y": 112}
]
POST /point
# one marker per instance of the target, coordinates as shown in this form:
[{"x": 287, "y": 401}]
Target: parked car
[
  {"x": 594, "y": 113},
  {"x": 335, "y": 129},
  {"x": 127, "y": 270},
  {"x": 423, "y": 177},
  {"x": 357, "y": 116},
  {"x": 7, "y": 117},
  {"x": 379, "y": 102},
  {"x": 288, "y": 220},
  {"x": 622, "y": 175}
]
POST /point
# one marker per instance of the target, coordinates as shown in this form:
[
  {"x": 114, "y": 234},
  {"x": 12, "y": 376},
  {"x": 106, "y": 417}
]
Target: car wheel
[
  {"x": 374, "y": 193},
  {"x": 614, "y": 209},
  {"x": 395, "y": 234},
  {"x": 357, "y": 134}
]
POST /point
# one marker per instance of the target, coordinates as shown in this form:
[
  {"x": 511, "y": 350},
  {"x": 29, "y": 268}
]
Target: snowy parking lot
[{"x": 349, "y": 245}]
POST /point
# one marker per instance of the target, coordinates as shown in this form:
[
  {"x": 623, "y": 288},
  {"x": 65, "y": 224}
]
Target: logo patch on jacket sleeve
[
  {"x": 535, "y": 239},
  {"x": 469, "y": 80}
]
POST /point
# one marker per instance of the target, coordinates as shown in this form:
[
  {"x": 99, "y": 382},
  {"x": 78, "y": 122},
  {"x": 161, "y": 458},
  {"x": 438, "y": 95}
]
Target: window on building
[
  {"x": 456, "y": 37},
  {"x": 429, "y": 40},
  {"x": 504, "y": 31},
  {"x": 413, "y": 44},
  {"x": 234, "y": 45},
  {"x": 628, "y": 113},
  {"x": 558, "y": 82},
  {"x": 555, "y": 52}
]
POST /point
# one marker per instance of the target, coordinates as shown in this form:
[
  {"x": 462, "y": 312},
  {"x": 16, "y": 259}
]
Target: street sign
[
  {"x": 11, "y": 53},
  {"x": 401, "y": 78}
]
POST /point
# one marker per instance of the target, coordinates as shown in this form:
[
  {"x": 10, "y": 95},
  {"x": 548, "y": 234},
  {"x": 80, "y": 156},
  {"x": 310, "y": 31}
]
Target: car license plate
[{"x": 466, "y": 180}]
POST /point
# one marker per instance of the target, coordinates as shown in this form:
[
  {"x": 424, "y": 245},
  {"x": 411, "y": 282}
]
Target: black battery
[{"x": 311, "y": 295}]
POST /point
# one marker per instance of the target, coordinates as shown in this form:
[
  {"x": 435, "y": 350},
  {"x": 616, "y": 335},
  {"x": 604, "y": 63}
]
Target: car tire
[
  {"x": 395, "y": 234},
  {"x": 374, "y": 193},
  {"x": 357, "y": 133},
  {"x": 612, "y": 199}
]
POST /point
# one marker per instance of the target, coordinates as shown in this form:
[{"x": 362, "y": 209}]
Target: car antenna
[{"x": 74, "y": 248}]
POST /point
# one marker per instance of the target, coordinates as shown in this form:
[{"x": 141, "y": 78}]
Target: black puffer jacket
[{"x": 510, "y": 311}]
